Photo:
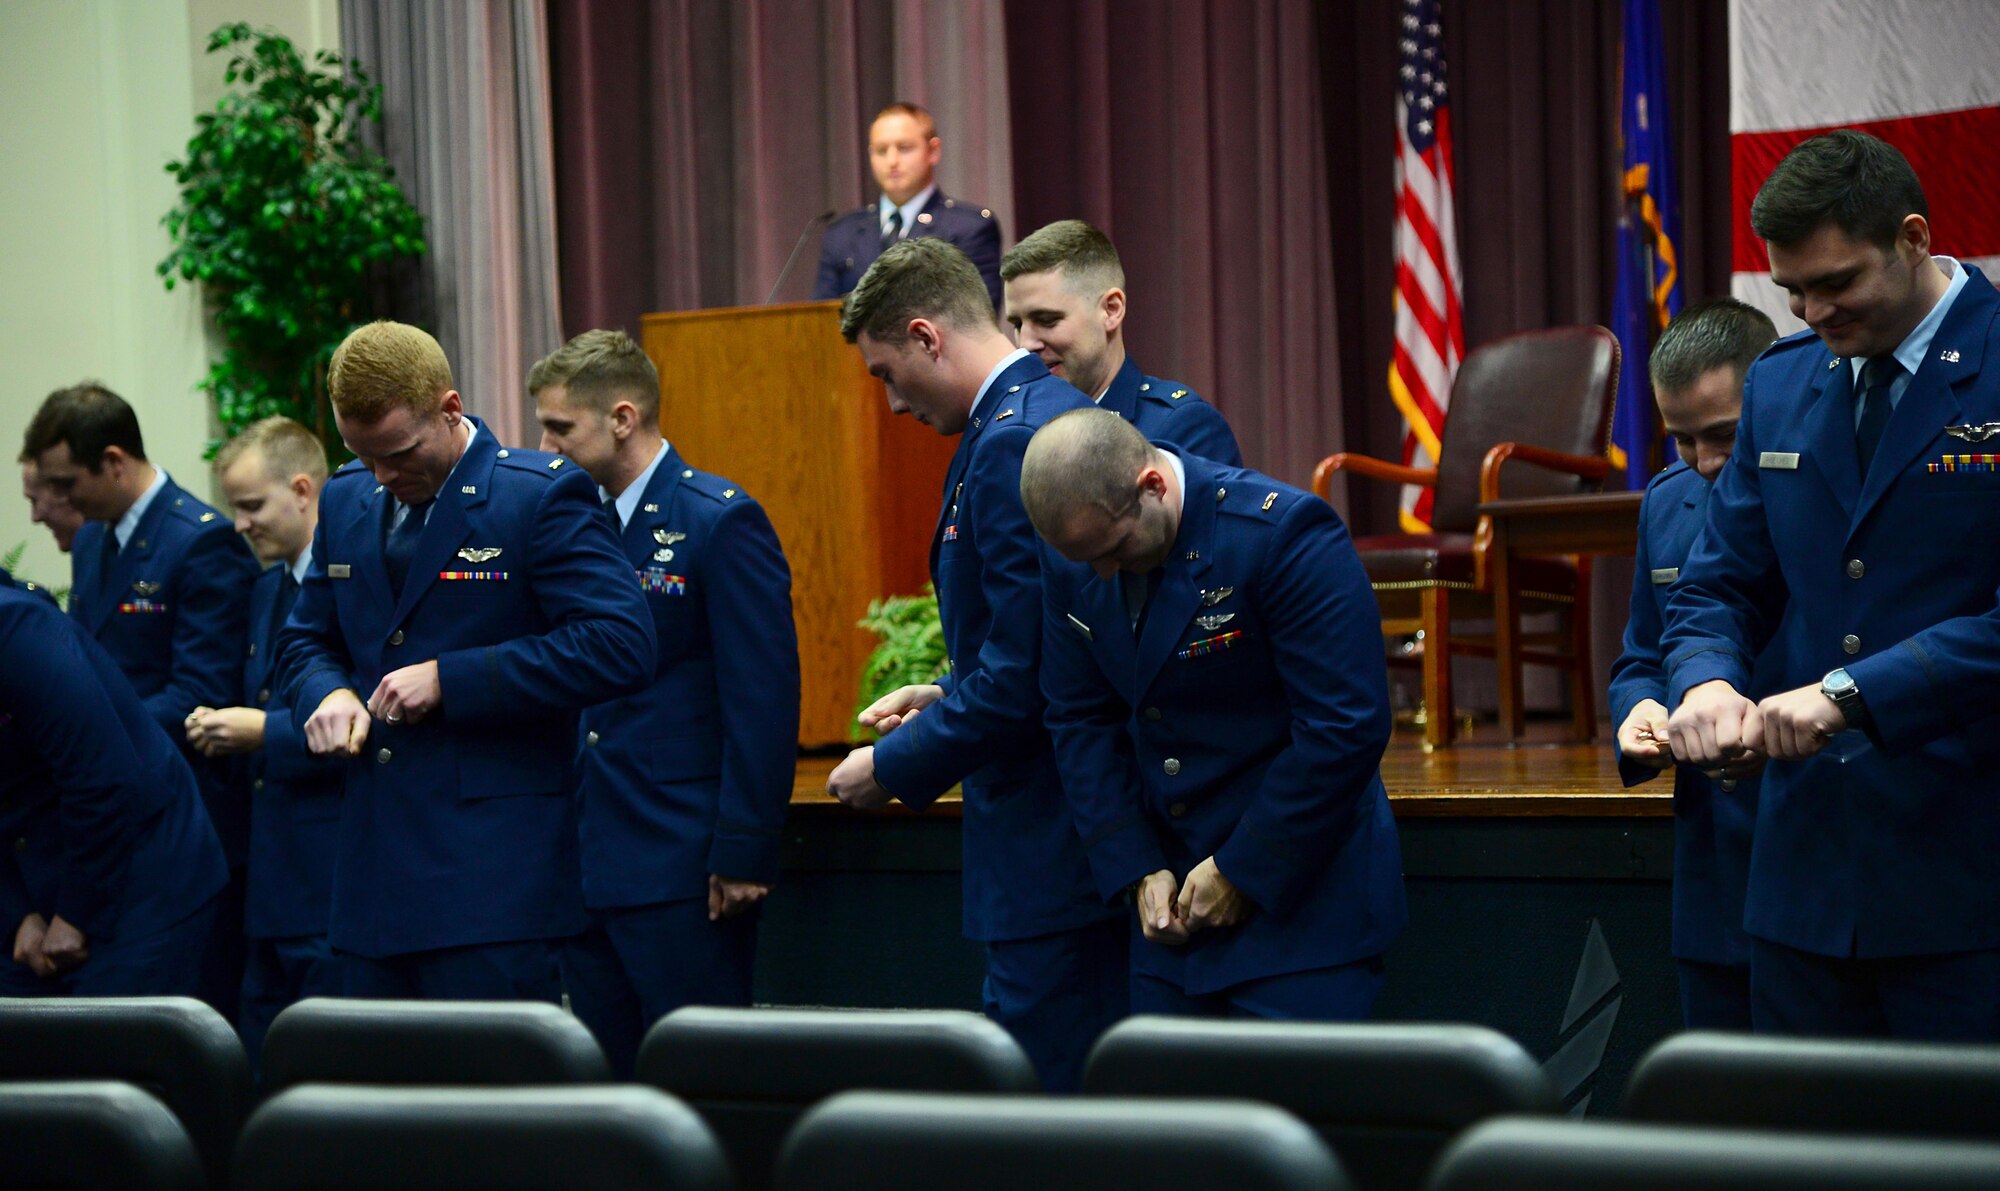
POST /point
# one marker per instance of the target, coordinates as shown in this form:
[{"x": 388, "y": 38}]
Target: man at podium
[{"x": 903, "y": 150}]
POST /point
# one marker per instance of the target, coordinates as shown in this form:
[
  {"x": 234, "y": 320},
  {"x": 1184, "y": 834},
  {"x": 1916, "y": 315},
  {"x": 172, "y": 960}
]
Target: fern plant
[{"x": 910, "y": 647}]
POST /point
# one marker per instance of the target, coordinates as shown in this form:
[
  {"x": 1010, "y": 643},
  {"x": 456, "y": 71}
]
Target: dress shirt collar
[
  {"x": 910, "y": 210},
  {"x": 994, "y": 375},
  {"x": 130, "y": 521},
  {"x": 627, "y": 502}
]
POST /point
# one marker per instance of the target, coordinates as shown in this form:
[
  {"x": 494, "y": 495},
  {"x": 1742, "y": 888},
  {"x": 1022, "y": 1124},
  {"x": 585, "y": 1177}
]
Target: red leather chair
[{"x": 1539, "y": 397}]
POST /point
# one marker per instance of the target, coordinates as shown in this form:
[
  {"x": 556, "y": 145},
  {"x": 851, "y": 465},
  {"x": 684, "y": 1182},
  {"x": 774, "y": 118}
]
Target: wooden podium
[{"x": 774, "y": 399}]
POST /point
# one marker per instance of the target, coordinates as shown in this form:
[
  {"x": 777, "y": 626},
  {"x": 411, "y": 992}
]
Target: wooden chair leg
[
  {"x": 1583, "y": 679},
  {"x": 1438, "y": 710},
  {"x": 1507, "y": 643}
]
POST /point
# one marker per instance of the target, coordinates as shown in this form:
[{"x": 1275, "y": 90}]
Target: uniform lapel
[
  {"x": 1929, "y": 403},
  {"x": 1188, "y": 559},
  {"x": 1830, "y": 433},
  {"x": 366, "y": 529},
  {"x": 138, "y": 552},
  {"x": 639, "y": 541},
  {"x": 448, "y": 526},
  {"x": 1122, "y": 398}
]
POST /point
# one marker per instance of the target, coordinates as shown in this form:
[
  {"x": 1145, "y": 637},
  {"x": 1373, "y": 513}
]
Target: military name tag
[
  {"x": 339, "y": 570},
  {"x": 1779, "y": 460},
  {"x": 1081, "y": 627},
  {"x": 1666, "y": 574}
]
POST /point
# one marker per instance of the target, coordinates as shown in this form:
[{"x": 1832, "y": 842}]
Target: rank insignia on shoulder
[
  {"x": 667, "y": 537},
  {"x": 1214, "y": 620},
  {"x": 1177, "y": 394},
  {"x": 1004, "y": 415},
  {"x": 339, "y": 570},
  {"x": 1210, "y": 599},
  {"x": 1974, "y": 432},
  {"x": 145, "y": 588},
  {"x": 479, "y": 554},
  {"x": 1269, "y": 501},
  {"x": 206, "y": 518},
  {"x": 557, "y": 462},
  {"x": 728, "y": 492}
]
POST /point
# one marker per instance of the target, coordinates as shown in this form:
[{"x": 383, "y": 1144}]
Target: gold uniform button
[
  {"x": 382, "y": 758},
  {"x": 590, "y": 740},
  {"x": 1850, "y": 644},
  {"x": 1153, "y": 713},
  {"x": 1172, "y": 766},
  {"x": 396, "y": 638},
  {"x": 1177, "y": 809},
  {"x": 1854, "y": 568}
]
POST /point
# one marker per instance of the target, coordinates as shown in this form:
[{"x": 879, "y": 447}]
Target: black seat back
[
  {"x": 751, "y": 1073},
  {"x": 84, "y": 1134},
  {"x": 623, "y": 1138},
  {"x": 1386, "y": 1097},
  {"x": 861, "y": 1141},
  {"x": 176, "y": 1048},
  {"x": 456, "y": 1043}
]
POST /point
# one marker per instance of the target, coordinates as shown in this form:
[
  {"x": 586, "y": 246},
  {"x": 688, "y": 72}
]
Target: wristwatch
[{"x": 1838, "y": 685}]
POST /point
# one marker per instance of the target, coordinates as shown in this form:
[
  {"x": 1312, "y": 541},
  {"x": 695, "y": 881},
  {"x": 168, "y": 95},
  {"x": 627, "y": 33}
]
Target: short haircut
[
  {"x": 922, "y": 277},
  {"x": 1086, "y": 457},
  {"x": 917, "y": 112},
  {"x": 287, "y": 449},
  {"x": 1861, "y": 184},
  {"x": 1088, "y": 261},
  {"x": 598, "y": 369},
  {"x": 87, "y": 418},
  {"x": 1723, "y": 333},
  {"x": 386, "y": 365}
]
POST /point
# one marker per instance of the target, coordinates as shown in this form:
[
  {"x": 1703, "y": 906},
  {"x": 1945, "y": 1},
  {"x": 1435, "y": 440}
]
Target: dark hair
[
  {"x": 1706, "y": 336},
  {"x": 597, "y": 370},
  {"x": 922, "y": 277},
  {"x": 1861, "y": 184},
  {"x": 86, "y": 418}
]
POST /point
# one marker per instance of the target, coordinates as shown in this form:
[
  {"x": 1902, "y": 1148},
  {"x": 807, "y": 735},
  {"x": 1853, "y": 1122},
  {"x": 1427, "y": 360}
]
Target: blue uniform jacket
[
  {"x": 1025, "y": 873},
  {"x": 103, "y": 821},
  {"x": 1247, "y": 722},
  {"x": 851, "y": 243},
  {"x": 1712, "y": 822},
  {"x": 461, "y": 829},
  {"x": 174, "y": 614},
  {"x": 294, "y": 796},
  {"x": 1883, "y": 843},
  {"x": 693, "y": 774},
  {"x": 1169, "y": 412}
]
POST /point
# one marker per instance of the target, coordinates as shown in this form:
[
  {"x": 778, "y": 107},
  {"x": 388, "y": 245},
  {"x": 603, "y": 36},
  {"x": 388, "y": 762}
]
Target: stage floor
[{"x": 1482, "y": 777}]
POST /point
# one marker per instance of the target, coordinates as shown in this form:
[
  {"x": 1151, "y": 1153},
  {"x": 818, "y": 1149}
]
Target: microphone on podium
[{"x": 811, "y": 225}]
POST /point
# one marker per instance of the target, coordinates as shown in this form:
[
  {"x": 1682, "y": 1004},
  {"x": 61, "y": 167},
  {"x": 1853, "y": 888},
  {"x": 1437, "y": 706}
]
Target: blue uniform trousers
[
  {"x": 224, "y": 952},
  {"x": 1343, "y": 992},
  {"x": 165, "y": 963},
  {"x": 279, "y": 973},
  {"x": 1056, "y": 993},
  {"x": 633, "y": 965},
  {"x": 1946, "y": 998},
  {"x": 1715, "y": 996},
  {"x": 524, "y": 971}
]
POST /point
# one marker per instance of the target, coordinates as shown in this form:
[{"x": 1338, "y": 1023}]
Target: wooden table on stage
[{"x": 1597, "y": 524}]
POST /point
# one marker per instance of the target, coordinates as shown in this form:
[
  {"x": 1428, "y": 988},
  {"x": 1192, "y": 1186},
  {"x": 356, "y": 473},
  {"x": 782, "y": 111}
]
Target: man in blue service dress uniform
[
  {"x": 903, "y": 149},
  {"x": 1697, "y": 372},
  {"x": 1220, "y": 708},
  {"x": 1055, "y": 954},
  {"x": 478, "y": 597},
  {"x": 272, "y": 474},
  {"x": 683, "y": 787},
  {"x": 1066, "y": 302},
  {"x": 1863, "y": 489},
  {"x": 109, "y": 883},
  {"x": 159, "y": 580}
]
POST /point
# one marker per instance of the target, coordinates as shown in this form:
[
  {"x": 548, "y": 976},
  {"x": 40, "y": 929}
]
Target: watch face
[{"x": 1837, "y": 683}]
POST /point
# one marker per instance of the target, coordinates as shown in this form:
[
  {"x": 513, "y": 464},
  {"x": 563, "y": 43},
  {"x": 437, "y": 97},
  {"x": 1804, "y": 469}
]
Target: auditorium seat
[
  {"x": 83, "y": 1134},
  {"x": 751, "y": 1073},
  {"x": 176, "y": 1048},
  {"x": 490, "y": 1139},
  {"x": 1562, "y": 1155},
  {"x": 1386, "y": 1097},
  {"x": 1820, "y": 1085},
  {"x": 895, "y": 1141},
  {"x": 330, "y": 1040}
]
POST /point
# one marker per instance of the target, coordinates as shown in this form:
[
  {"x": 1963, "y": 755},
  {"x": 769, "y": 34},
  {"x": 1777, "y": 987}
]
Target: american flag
[{"x": 1430, "y": 330}]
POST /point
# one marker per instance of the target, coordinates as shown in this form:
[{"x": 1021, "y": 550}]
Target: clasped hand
[
  {"x": 48, "y": 947},
  {"x": 1719, "y": 731},
  {"x": 341, "y": 721},
  {"x": 1170, "y": 911}
]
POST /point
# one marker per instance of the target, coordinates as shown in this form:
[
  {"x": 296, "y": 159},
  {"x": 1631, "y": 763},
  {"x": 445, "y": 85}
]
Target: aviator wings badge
[
  {"x": 667, "y": 537},
  {"x": 1974, "y": 432},
  {"x": 1210, "y": 599},
  {"x": 143, "y": 588},
  {"x": 479, "y": 554},
  {"x": 1214, "y": 621}
]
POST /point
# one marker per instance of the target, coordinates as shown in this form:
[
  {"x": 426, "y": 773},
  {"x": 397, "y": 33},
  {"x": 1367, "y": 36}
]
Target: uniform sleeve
[
  {"x": 312, "y": 660},
  {"x": 286, "y": 758},
  {"x": 211, "y": 629},
  {"x": 1324, "y": 629},
  {"x": 601, "y": 645},
  {"x": 994, "y": 705},
  {"x": 827, "y": 283},
  {"x": 749, "y": 605},
  {"x": 1639, "y": 673},
  {"x": 1730, "y": 591},
  {"x": 982, "y": 244},
  {"x": 1087, "y": 722},
  {"x": 1933, "y": 683},
  {"x": 1203, "y": 430}
]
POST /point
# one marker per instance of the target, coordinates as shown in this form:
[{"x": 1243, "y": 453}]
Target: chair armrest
[
  {"x": 1589, "y": 467},
  {"x": 1371, "y": 467}
]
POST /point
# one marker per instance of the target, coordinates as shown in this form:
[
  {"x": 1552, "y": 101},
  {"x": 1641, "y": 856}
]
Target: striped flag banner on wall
[
  {"x": 1923, "y": 75},
  {"x": 1430, "y": 330}
]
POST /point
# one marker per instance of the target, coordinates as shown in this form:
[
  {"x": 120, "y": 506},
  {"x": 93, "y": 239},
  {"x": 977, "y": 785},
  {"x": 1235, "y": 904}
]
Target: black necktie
[
  {"x": 281, "y": 609},
  {"x": 1877, "y": 375},
  {"x": 402, "y": 546},
  {"x": 107, "y": 559},
  {"x": 617, "y": 522},
  {"x": 892, "y": 231}
]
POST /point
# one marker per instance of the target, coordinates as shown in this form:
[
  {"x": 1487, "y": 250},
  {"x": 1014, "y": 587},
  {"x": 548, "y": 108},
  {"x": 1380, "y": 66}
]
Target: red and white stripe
[
  {"x": 1923, "y": 75},
  {"x": 1430, "y": 329}
]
